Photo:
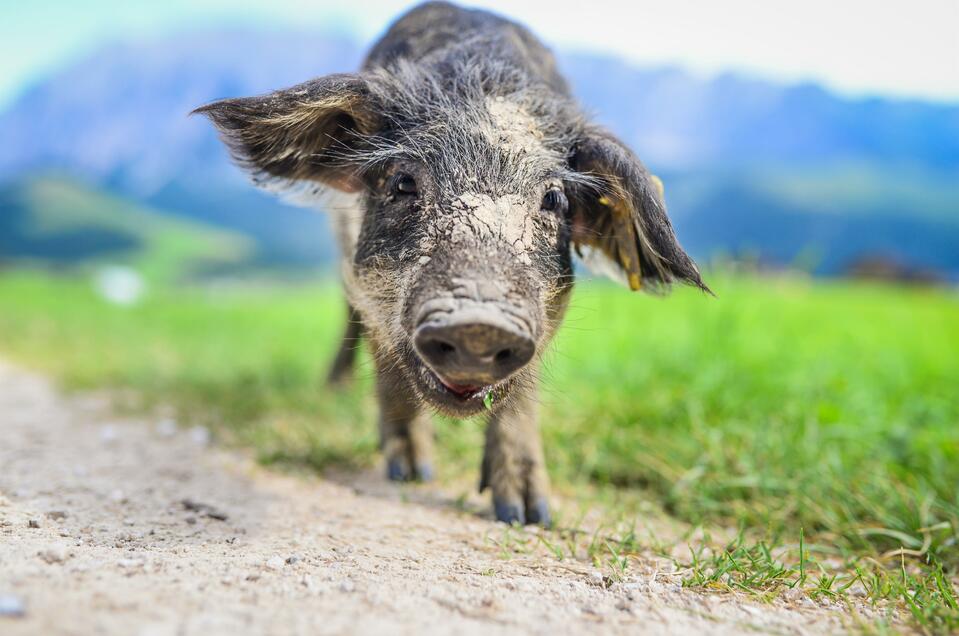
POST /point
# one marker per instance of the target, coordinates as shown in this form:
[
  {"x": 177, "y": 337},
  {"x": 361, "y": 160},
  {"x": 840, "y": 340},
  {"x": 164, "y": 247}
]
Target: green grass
[{"x": 820, "y": 420}]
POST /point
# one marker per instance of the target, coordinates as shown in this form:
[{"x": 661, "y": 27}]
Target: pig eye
[
  {"x": 554, "y": 201},
  {"x": 402, "y": 184}
]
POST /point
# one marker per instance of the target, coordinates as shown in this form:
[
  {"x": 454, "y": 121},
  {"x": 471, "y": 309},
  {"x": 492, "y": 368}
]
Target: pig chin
[
  {"x": 450, "y": 398},
  {"x": 446, "y": 397}
]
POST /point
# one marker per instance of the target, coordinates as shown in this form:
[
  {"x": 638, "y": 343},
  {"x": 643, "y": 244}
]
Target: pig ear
[
  {"x": 618, "y": 211},
  {"x": 300, "y": 133}
]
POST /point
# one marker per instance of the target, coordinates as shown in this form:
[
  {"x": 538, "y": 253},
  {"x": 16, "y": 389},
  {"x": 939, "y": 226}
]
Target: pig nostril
[
  {"x": 503, "y": 355},
  {"x": 445, "y": 347}
]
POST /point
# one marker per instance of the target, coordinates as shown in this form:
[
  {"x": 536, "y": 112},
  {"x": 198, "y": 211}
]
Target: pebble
[
  {"x": 166, "y": 427},
  {"x": 11, "y": 606},
  {"x": 33, "y": 523},
  {"x": 275, "y": 563},
  {"x": 200, "y": 435},
  {"x": 54, "y": 554}
]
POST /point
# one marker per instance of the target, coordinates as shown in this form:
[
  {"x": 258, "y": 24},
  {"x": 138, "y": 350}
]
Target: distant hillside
[
  {"x": 683, "y": 122},
  {"x": 52, "y": 221},
  {"x": 749, "y": 165},
  {"x": 118, "y": 120}
]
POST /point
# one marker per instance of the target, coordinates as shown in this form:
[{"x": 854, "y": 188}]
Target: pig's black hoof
[
  {"x": 396, "y": 470},
  {"x": 538, "y": 513},
  {"x": 424, "y": 471},
  {"x": 509, "y": 512}
]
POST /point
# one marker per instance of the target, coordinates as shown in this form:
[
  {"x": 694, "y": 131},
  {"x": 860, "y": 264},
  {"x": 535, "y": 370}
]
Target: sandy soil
[{"x": 95, "y": 538}]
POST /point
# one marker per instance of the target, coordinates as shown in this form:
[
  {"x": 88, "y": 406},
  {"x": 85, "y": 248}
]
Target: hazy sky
[{"x": 900, "y": 47}]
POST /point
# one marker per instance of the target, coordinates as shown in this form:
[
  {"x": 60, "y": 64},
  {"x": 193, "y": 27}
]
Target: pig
[{"x": 462, "y": 177}]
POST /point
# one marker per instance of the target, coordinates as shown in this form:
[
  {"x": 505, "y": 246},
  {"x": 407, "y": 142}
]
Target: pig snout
[{"x": 473, "y": 346}]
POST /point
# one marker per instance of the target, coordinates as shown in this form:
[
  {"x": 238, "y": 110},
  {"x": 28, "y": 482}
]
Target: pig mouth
[{"x": 457, "y": 400}]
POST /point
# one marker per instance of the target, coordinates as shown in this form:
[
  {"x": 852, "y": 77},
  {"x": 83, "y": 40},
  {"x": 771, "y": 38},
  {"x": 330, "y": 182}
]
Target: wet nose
[{"x": 476, "y": 348}]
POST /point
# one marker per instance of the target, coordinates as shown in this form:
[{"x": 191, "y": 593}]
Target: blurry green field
[{"x": 781, "y": 407}]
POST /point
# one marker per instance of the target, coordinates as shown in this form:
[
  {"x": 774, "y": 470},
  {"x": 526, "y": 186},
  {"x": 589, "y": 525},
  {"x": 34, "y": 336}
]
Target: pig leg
[
  {"x": 406, "y": 429},
  {"x": 342, "y": 367},
  {"x": 513, "y": 464}
]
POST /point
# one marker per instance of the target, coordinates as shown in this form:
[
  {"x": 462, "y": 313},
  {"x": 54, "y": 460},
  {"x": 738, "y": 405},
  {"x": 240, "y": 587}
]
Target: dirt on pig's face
[{"x": 463, "y": 263}]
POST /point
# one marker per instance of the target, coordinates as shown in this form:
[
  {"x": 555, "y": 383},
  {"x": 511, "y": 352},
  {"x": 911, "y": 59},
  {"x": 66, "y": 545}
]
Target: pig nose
[{"x": 474, "y": 349}]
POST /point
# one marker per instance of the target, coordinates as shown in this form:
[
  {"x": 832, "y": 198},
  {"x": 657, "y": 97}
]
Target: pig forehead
[
  {"x": 492, "y": 145},
  {"x": 481, "y": 162},
  {"x": 511, "y": 127}
]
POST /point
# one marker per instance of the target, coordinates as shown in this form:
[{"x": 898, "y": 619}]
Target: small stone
[
  {"x": 54, "y": 554},
  {"x": 274, "y": 563},
  {"x": 11, "y": 606},
  {"x": 204, "y": 509},
  {"x": 292, "y": 560},
  {"x": 200, "y": 435},
  {"x": 57, "y": 515},
  {"x": 166, "y": 427},
  {"x": 33, "y": 523}
]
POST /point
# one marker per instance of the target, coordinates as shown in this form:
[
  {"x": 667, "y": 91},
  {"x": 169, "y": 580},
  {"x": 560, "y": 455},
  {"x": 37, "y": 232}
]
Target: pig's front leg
[
  {"x": 406, "y": 429},
  {"x": 513, "y": 464},
  {"x": 342, "y": 368}
]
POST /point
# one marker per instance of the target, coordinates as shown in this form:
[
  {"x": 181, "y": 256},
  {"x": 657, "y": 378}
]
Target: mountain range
[{"x": 786, "y": 173}]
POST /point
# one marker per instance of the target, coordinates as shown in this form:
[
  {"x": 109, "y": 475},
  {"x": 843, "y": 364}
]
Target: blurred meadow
[
  {"x": 785, "y": 408},
  {"x": 802, "y": 427}
]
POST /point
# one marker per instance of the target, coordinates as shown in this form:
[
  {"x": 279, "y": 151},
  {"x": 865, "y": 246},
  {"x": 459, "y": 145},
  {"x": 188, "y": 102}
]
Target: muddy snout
[{"x": 473, "y": 346}]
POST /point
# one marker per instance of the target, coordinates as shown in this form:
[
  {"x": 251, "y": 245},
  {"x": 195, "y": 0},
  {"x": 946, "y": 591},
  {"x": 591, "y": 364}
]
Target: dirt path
[{"x": 95, "y": 538}]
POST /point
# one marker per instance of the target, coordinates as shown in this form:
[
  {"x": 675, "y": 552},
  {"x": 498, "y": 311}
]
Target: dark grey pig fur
[{"x": 461, "y": 176}]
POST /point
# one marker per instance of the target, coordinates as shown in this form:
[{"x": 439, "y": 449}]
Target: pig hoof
[
  {"x": 509, "y": 512},
  {"x": 424, "y": 471},
  {"x": 396, "y": 470},
  {"x": 538, "y": 513}
]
